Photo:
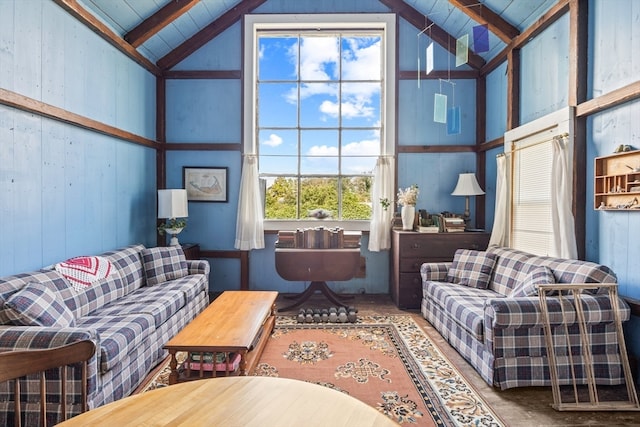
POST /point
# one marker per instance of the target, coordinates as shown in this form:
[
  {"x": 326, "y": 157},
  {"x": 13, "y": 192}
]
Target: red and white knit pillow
[{"x": 82, "y": 271}]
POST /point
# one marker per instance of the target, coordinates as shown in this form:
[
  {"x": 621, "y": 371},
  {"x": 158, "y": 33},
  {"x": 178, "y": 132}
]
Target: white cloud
[
  {"x": 370, "y": 147},
  {"x": 273, "y": 141},
  {"x": 322, "y": 150},
  {"x": 362, "y": 61}
]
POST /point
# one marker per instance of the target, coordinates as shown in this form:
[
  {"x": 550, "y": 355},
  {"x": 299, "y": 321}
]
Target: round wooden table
[{"x": 236, "y": 401}]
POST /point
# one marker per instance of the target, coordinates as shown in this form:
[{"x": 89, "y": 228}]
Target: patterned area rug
[{"x": 388, "y": 362}]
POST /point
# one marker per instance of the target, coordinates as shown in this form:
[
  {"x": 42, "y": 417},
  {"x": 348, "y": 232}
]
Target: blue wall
[{"x": 67, "y": 191}]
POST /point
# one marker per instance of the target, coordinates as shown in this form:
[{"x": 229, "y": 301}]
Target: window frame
[{"x": 384, "y": 22}]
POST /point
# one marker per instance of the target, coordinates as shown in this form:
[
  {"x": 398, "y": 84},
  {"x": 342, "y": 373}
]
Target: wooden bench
[{"x": 235, "y": 322}]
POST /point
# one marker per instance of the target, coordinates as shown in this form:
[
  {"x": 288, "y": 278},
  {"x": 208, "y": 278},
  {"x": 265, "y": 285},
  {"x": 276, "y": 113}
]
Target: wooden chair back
[{"x": 17, "y": 364}]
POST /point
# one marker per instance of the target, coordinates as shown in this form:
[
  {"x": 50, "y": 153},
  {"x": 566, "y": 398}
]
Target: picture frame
[{"x": 206, "y": 184}]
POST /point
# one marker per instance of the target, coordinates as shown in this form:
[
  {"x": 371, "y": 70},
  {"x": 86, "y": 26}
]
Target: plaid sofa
[
  {"x": 500, "y": 332},
  {"x": 127, "y": 317}
]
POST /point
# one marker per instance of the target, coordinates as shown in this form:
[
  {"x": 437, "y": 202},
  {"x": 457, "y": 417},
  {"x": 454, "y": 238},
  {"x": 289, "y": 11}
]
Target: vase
[{"x": 408, "y": 214}]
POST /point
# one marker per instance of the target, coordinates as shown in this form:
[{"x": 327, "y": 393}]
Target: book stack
[
  {"x": 222, "y": 363},
  {"x": 319, "y": 238},
  {"x": 454, "y": 224}
]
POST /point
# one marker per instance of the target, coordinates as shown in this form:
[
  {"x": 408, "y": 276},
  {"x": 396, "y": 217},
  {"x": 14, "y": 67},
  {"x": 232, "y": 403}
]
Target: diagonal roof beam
[
  {"x": 95, "y": 25},
  {"x": 440, "y": 36},
  {"x": 483, "y": 15},
  {"x": 163, "y": 17},
  {"x": 207, "y": 33}
]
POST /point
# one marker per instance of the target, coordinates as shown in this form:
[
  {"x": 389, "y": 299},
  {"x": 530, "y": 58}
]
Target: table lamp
[
  {"x": 172, "y": 204},
  {"x": 467, "y": 186}
]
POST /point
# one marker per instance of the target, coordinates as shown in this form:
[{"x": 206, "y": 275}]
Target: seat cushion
[
  {"x": 118, "y": 335},
  {"x": 162, "y": 264},
  {"x": 37, "y": 305},
  {"x": 471, "y": 268},
  {"x": 462, "y": 304},
  {"x": 160, "y": 302}
]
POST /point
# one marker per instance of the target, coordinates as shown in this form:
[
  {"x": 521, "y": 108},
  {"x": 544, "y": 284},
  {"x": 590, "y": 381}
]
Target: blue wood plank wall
[{"x": 67, "y": 191}]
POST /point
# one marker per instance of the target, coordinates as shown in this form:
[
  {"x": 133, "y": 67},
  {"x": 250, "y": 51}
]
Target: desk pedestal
[{"x": 317, "y": 266}]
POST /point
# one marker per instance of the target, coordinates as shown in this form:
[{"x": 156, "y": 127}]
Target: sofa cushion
[
  {"x": 37, "y": 305},
  {"x": 162, "y": 264},
  {"x": 511, "y": 267},
  {"x": 119, "y": 335},
  {"x": 128, "y": 261},
  {"x": 462, "y": 304},
  {"x": 540, "y": 275},
  {"x": 471, "y": 268},
  {"x": 161, "y": 302}
]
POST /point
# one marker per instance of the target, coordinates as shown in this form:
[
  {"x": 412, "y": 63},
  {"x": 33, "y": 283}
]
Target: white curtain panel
[
  {"x": 500, "y": 231},
  {"x": 249, "y": 223},
  {"x": 563, "y": 242},
  {"x": 380, "y": 226}
]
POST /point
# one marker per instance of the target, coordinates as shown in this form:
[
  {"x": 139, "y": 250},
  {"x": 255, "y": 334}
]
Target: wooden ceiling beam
[
  {"x": 95, "y": 25},
  {"x": 485, "y": 16},
  {"x": 436, "y": 33},
  {"x": 163, "y": 17},
  {"x": 546, "y": 20},
  {"x": 208, "y": 33}
]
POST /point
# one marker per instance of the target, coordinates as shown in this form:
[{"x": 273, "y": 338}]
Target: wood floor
[{"x": 524, "y": 407}]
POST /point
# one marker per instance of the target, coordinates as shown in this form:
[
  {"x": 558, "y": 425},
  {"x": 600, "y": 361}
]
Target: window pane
[
  {"x": 358, "y": 165},
  {"x": 319, "y": 142},
  {"x": 361, "y": 58},
  {"x": 361, "y": 142},
  {"x": 278, "y": 142},
  {"x": 356, "y": 197},
  {"x": 318, "y": 165},
  {"x": 319, "y": 105},
  {"x": 360, "y": 104},
  {"x": 278, "y": 164},
  {"x": 319, "y": 193},
  {"x": 277, "y": 105},
  {"x": 278, "y": 58},
  {"x": 281, "y": 198},
  {"x": 319, "y": 58}
]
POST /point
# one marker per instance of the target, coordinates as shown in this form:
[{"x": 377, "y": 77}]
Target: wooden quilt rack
[{"x": 594, "y": 403}]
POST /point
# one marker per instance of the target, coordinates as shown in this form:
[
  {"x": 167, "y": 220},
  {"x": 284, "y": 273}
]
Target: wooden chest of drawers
[{"x": 409, "y": 250}]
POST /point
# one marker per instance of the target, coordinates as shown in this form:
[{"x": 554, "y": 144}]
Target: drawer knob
[{"x": 416, "y": 246}]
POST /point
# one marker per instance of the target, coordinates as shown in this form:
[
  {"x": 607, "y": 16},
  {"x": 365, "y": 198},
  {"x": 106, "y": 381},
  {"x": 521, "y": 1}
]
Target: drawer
[
  {"x": 411, "y": 265},
  {"x": 439, "y": 245},
  {"x": 410, "y": 292}
]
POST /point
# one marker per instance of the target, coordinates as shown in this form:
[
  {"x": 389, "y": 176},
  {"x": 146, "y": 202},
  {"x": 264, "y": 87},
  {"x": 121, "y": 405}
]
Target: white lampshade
[
  {"x": 172, "y": 204},
  {"x": 467, "y": 186}
]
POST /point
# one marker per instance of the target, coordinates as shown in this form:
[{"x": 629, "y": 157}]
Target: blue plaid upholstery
[
  {"x": 163, "y": 264},
  {"x": 128, "y": 321},
  {"x": 540, "y": 275},
  {"x": 502, "y": 336},
  {"x": 471, "y": 268},
  {"x": 37, "y": 305}
]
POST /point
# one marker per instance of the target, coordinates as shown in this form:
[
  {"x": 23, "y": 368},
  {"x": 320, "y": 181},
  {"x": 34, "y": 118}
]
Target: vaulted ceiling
[{"x": 166, "y": 31}]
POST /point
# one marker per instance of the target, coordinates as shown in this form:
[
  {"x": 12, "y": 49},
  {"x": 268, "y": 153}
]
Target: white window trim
[
  {"x": 541, "y": 130},
  {"x": 382, "y": 21}
]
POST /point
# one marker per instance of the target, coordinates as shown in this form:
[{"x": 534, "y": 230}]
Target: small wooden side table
[{"x": 191, "y": 250}]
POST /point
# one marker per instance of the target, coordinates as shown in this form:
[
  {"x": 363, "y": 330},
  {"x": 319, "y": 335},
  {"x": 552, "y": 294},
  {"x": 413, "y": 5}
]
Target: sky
[{"x": 306, "y": 71}]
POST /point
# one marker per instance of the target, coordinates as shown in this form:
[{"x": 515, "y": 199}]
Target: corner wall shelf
[{"x": 617, "y": 182}]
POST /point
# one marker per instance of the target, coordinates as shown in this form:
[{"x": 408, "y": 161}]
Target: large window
[{"x": 319, "y": 92}]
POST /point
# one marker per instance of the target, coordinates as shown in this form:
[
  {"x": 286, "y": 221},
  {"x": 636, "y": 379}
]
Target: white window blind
[{"x": 531, "y": 228}]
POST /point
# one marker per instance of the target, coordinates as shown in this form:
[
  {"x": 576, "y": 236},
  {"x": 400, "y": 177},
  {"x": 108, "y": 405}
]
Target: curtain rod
[{"x": 562, "y": 135}]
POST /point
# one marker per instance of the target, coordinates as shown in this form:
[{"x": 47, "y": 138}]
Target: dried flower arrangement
[{"x": 408, "y": 196}]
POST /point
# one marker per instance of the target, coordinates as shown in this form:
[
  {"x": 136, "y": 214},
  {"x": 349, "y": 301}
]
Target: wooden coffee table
[{"x": 235, "y": 322}]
